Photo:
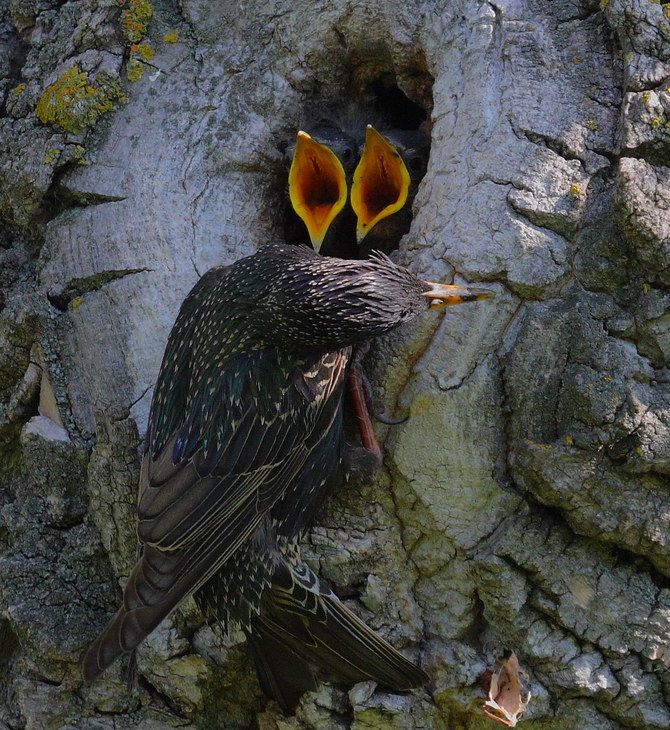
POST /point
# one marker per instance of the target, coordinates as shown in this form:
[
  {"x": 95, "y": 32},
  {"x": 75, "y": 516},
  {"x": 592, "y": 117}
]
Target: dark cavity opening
[
  {"x": 400, "y": 111},
  {"x": 402, "y": 121}
]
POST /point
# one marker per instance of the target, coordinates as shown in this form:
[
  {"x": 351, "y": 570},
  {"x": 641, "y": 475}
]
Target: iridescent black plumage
[{"x": 244, "y": 442}]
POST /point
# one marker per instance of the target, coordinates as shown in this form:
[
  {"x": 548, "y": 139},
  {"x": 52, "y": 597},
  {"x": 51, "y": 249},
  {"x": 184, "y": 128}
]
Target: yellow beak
[
  {"x": 381, "y": 183},
  {"x": 445, "y": 295},
  {"x": 317, "y": 186}
]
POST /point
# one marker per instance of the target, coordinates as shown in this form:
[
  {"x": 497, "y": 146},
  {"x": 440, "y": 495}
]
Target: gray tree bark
[{"x": 525, "y": 504}]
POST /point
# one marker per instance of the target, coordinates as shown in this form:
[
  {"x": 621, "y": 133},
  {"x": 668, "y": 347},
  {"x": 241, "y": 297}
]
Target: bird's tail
[{"x": 304, "y": 624}]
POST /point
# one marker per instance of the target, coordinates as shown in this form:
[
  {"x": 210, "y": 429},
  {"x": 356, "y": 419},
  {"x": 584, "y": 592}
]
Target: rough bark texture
[{"x": 524, "y": 504}]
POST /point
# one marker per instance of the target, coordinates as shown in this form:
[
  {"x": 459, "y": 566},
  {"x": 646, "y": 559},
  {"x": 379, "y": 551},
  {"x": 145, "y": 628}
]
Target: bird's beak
[
  {"x": 317, "y": 186},
  {"x": 381, "y": 183},
  {"x": 444, "y": 295}
]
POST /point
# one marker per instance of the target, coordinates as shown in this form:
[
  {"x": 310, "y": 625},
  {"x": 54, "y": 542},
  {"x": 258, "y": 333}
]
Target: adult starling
[{"x": 245, "y": 440}]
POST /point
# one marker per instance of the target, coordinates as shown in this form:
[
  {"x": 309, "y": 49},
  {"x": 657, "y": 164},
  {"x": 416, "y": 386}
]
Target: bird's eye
[
  {"x": 416, "y": 164},
  {"x": 347, "y": 155}
]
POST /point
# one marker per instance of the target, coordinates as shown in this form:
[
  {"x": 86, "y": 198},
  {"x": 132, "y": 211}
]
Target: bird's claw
[{"x": 388, "y": 420}]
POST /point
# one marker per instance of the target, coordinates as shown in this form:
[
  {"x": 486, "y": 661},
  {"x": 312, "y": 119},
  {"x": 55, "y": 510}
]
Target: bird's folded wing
[
  {"x": 244, "y": 450},
  {"x": 195, "y": 513}
]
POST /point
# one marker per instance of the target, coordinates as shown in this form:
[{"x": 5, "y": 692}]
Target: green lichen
[
  {"x": 134, "y": 19},
  {"x": 51, "y": 156},
  {"x": 78, "y": 154},
  {"x": 73, "y": 104},
  {"x": 592, "y": 125},
  {"x": 604, "y": 4},
  {"x": 135, "y": 70},
  {"x": 20, "y": 201}
]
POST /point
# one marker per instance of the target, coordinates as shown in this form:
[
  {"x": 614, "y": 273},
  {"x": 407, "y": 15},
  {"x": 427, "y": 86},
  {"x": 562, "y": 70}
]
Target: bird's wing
[
  {"x": 214, "y": 480},
  {"x": 264, "y": 417}
]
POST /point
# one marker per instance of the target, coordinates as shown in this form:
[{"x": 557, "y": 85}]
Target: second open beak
[{"x": 380, "y": 185}]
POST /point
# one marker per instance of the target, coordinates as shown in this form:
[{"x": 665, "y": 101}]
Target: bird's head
[{"x": 314, "y": 303}]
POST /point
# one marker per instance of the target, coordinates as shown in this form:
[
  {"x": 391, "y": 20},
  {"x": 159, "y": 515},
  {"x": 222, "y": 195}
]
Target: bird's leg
[
  {"x": 364, "y": 402},
  {"x": 368, "y": 438}
]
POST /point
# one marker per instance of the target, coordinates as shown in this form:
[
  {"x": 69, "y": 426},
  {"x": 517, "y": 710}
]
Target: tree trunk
[{"x": 524, "y": 505}]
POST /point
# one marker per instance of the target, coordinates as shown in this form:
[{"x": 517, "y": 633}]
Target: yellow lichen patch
[
  {"x": 134, "y": 19},
  {"x": 656, "y": 122},
  {"x": 575, "y": 191},
  {"x": 51, "y": 156},
  {"x": 20, "y": 89},
  {"x": 569, "y": 440},
  {"x": 140, "y": 53},
  {"x": 73, "y": 104},
  {"x": 143, "y": 50},
  {"x": 604, "y": 4},
  {"x": 591, "y": 124},
  {"x": 172, "y": 37},
  {"x": 77, "y": 302}
]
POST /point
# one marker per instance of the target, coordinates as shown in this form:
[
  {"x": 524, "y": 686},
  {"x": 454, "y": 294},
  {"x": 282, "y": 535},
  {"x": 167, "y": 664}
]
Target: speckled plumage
[{"x": 244, "y": 442}]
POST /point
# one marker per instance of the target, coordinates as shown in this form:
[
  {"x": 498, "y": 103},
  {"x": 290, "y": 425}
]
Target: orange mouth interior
[
  {"x": 381, "y": 183},
  {"x": 317, "y": 186}
]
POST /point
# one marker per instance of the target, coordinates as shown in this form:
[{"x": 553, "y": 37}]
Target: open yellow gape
[
  {"x": 381, "y": 183},
  {"x": 317, "y": 186}
]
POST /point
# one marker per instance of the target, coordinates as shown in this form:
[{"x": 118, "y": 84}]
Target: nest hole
[{"x": 341, "y": 125}]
